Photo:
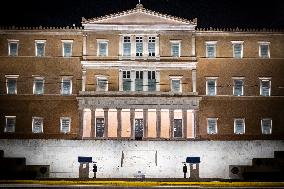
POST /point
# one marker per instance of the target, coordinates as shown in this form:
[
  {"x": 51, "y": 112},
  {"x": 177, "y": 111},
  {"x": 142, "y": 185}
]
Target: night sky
[{"x": 210, "y": 13}]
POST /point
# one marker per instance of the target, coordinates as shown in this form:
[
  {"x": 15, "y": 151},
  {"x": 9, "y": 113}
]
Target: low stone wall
[{"x": 123, "y": 159}]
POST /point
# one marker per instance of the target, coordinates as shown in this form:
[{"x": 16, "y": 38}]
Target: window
[
  {"x": 67, "y": 48},
  {"x": 126, "y": 81},
  {"x": 175, "y": 48},
  {"x": 139, "y": 81},
  {"x": 239, "y": 126},
  {"x": 264, "y": 51},
  {"x": 177, "y": 128},
  {"x": 212, "y": 125},
  {"x": 126, "y": 46},
  {"x": 265, "y": 86},
  {"x": 102, "y": 83},
  {"x": 152, "y": 46},
  {"x": 66, "y": 86},
  {"x": 238, "y": 89},
  {"x": 176, "y": 83},
  {"x": 266, "y": 126},
  {"x": 139, "y": 46},
  {"x": 38, "y": 87},
  {"x": 237, "y": 49},
  {"x": 11, "y": 84},
  {"x": 13, "y": 47},
  {"x": 102, "y": 48},
  {"x": 65, "y": 123},
  {"x": 37, "y": 126},
  {"x": 211, "y": 87},
  {"x": 151, "y": 81},
  {"x": 10, "y": 124},
  {"x": 211, "y": 49},
  {"x": 100, "y": 127},
  {"x": 40, "y": 47}
]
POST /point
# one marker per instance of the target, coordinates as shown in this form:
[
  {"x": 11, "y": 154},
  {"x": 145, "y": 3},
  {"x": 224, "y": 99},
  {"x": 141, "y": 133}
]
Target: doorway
[{"x": 139, "y": 129}]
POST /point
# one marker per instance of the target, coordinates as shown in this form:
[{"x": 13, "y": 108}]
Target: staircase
[
  {"x": 16, "y": 168},
  {"x": 264, "y": 169}
]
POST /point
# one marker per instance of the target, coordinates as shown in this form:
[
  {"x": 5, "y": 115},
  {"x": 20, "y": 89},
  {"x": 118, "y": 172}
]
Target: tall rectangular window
[
  {"x": 237, "y": 49},
  {"x": 238, "y": 89},
  {"x": 265, "y": 87},
  {"x": 126, "y": 46},
  {"x": 102, "y": 47},
  {"x": 177, "y": 128},
  {"x": 176, "y": 83},
  {"x": 212, "y": 125},
  {"x": 40, "y": 48},
  {"x": 65, "y": 124},
  {"x": 38, "y": 87},
  {"x": 151, "y": 81},
  {"x": 239, "y": 126},
  {"x": 10, "y": 124},
  {"x": 139, "y": 46},
  {"x": 67, "y": 48},
  {"x": 152, "y": 46},
  {"x": 100, "y": 127},
  {"x": 175, "y": 48},
  {"x": 126, "y": 80},
  {"x": 37, "y": 125},
  {"x": 211, "y": 87},
  {"x": 264, "y": 51},
  {"x": 13, "y": 46},
  {"x": 102, "y": 83},
  {"x": 211, "y": 49},
  {"x": 11, "y": 84},
  {"x": 266, "y": 126},
  {"x": 66, "y": 86},
  {"x": 139, "y": 81}
]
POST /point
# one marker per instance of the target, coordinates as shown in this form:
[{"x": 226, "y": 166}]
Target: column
[
  {"x": 158, "y": 127},
  {"x": 171, "y": 114},
  {"x": 132, "y": 117},
  {"x": 145, "y": 47},
  {"x": 193, "y": 45},
  {"x": 81, "y": 120},
  {"x": 93, "y": 123},
  {"x": 158, "y": 82},
  {"x": 132, "y": 77},
  {"x": 133, "y": 46},
  {"x": 157, "y": 46},
  {"x": 184, "y": 122},
  {"x": 145, "y": 122},
  {"x": 106, "y": 122},
  {"x": 120, "y": 77},
  {"x": 84, "y": 80},
  {"x": 145, "y": 80},
  {"x": 84, "y": 46},
  {"x": 193, "y": 74},
  {"x": 119, "y": 123},
  {"x": 120, "y": 47}
]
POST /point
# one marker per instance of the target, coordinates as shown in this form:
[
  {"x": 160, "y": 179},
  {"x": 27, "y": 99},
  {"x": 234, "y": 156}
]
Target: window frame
[
  {"x": 152, "y": 40},
  {"x": 126, "y": 78},
  {"x": 216, "y": 125},
  {"x": 71, "y": 84},
  {"x": 69, "y": 126},
  {"x": 268, "y": 49},
  {"x": 10, "y": 41},
  {"x": 242, "y": 48},
  {"x": 238, "y": 78},
  {"x": 177, "y": 78},
  {"x": 41, "y": 42},
  {"x": 63, "y": 51},
  {"x": 33, "y": 119},
  {"x": 175, "y": 42},
  {"x": 261, "y": 122},
  {"x": 211, "y": 78},
  {"x": 123, "y": 42},
  {"x": 34, "y": 87},
  {"x": 101, "y": 77},
  {"x": 100, "y": 41},
  {"x": 15, "y": 77},
  {"x": 261, "y": 79},
  {"x": 244, "y": 126},
  {"x": 215, "y": 48},
  {"x": 139, "y": 40},
  {"x": 14, "y": 126},
  {"x": 102, "y": 118}
]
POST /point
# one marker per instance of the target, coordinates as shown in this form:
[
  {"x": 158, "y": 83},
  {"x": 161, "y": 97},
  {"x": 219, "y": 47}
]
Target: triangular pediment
[{"x": 139, "y": 16}]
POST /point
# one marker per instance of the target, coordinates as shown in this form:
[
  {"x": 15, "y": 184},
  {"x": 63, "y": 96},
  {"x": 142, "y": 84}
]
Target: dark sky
[{"x": 210, "y": 13}]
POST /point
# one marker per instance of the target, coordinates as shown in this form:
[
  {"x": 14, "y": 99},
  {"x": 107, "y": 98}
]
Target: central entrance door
[{"x": 139, "y": 129}]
